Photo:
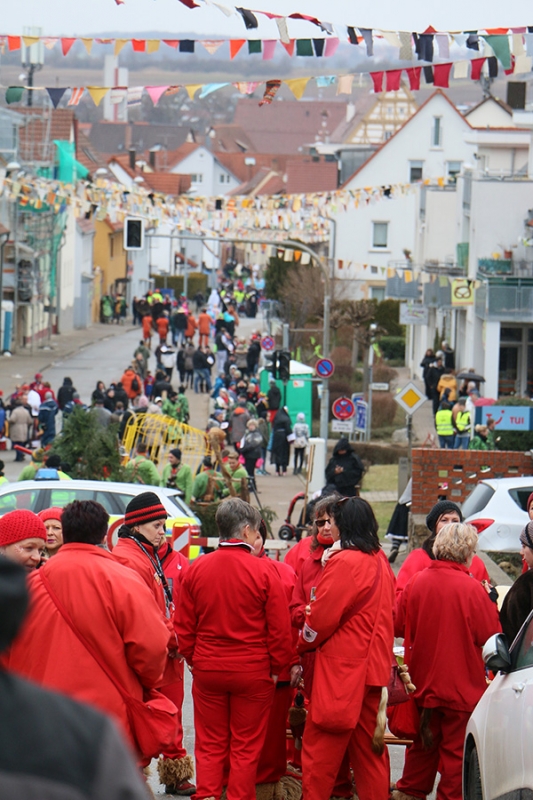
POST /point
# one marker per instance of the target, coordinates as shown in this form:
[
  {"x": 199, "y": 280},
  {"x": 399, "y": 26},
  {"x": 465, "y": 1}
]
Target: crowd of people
[
  {"x": 305, "y": 642},
  {"x": 454, "y": 403}
]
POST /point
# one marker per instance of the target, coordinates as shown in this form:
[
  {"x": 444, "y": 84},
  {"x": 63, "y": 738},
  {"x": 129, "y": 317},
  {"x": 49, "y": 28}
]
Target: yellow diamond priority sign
[{"x": 410, "y": 398}]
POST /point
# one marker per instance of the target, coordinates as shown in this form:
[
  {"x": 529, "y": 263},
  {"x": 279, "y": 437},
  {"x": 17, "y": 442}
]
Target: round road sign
[
  {"x": 343, "y": 408},
  {"x": 268, "y": 343},
  {"x": 324, "y": 368}
]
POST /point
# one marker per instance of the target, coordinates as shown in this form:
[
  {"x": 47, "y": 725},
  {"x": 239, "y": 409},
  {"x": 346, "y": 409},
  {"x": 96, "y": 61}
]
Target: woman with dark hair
[
  {"x": 441, "y": 514},
  {"x": 138, "y": 547},
  {"x": 519, "y": 599},
  {"x": 350, "y": 625},
  {"x": 426, "y": 362}
]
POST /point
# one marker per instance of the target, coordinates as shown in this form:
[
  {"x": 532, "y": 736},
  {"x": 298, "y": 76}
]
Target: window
[
  {"x": 374, "y": 270},
  {"x": 416, "y": 170},
  {"x": 388, "y": 135},
  {"x": 197, "y": 178},
  {"x": 436, "y": 135},
  {"x": 377, "y": 293},
  {"x": 224, "y": 178},
  {"x": 380, "y": 232},
  {"x": 453, "y": 169},
  {"x": 12, "y": 501},
  {"x": 111, "y": 246}
]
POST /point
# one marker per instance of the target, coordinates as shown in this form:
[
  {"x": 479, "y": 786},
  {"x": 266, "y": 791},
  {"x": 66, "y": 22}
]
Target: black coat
[
  {"x": 517, "y": 604},
  {"x": 281, "y": 448},
  {"x": 352, "y": 469},
  {"x": 274, "y": 397}
]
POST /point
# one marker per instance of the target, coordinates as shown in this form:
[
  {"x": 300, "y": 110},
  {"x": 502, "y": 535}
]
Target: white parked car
[
  {"x": 497, "y": 755},
  {"x": 496, "y": 507}
]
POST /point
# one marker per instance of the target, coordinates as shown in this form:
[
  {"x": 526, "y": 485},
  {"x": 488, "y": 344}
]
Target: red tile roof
[
  {"x": 158, "y": 181},
  {"x": 236, "y": 163},
  {"x": 230, "y": 139},
  {"x": 286, "y": 126},
  {"x": 41, "y": 128},
  {"x": 265, "y": 181},
  {"x": 312, "y": 176}
]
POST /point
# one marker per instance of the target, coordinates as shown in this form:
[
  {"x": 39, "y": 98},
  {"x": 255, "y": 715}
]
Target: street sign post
[
  {"x": 324, "y": 368},
  {"x": 410, "y": 398},
  {"x": 361, "y": 416},
  {"x": 343, "y": 408},
  {"x": 268, "y": 343}
]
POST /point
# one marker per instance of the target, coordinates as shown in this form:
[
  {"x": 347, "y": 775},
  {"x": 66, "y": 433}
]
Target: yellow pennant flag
[
  {"x": 192, "y": 89},
  {"x": 29, "y": 40},
  {"x": 88, "y": 44},
  {"x": 297, "y": 86},
  {"x": 119, "y": 44},
  {"x": 152, "y": 45},
  {"x": 97, "y": 93},
  {"x": 408, "y": 276}
]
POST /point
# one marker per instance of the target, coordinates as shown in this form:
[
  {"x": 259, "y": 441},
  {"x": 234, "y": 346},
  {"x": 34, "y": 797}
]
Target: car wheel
[
  {"x": 286, "y": 532},
  {"x": 473, "y": 790}
]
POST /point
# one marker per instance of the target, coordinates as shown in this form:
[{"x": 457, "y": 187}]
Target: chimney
[
  {"x": 132, "y": 158},
  {"x": 151, "y": 158}
]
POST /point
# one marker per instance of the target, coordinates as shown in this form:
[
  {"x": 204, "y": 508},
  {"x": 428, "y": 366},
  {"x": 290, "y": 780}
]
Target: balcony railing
[
  {"x": 506, "y": 299},
  {"x": 514, "y": 268}
]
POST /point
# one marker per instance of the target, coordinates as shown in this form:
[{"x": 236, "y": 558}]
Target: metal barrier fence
[{"x": 161, "y": 434}]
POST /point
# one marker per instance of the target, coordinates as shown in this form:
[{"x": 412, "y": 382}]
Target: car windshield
[
  {"x": 477, "y": 499},
  {"x": 520, "y": 496},
  {"x": 176, "y": 500}
]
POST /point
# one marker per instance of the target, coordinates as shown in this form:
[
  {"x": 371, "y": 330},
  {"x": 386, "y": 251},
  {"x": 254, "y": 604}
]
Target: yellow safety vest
[
  {"x": 462, "y": 421},
  {"x": 443, "y": 423}
]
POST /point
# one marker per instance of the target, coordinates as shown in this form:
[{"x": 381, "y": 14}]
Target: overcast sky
[{"x": 71, "y": 17}]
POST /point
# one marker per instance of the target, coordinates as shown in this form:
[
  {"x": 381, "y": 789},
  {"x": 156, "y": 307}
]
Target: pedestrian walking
[
  {"x": 20, "y": 424},
  {"x": 281, "y": 441},
  {"x": 301, "y": 440}
]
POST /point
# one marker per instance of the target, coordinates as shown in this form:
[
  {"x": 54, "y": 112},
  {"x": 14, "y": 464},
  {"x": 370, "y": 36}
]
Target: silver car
[
  {"x": 497, "y": 509},
  {"x": 497, "y": 755}
]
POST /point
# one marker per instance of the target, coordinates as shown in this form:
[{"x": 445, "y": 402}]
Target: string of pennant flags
[
  {"x": 305, "y": 216},
  {"x": 437, "y": 75}
]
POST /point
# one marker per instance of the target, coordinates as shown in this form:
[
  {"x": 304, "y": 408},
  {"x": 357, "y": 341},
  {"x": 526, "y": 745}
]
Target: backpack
[{"x": 135, "y": 385}]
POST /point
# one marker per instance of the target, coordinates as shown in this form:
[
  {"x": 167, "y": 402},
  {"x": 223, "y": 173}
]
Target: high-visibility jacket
[
  {"x": 443, "y": 422},
  {"x": 462, "y": 421}
]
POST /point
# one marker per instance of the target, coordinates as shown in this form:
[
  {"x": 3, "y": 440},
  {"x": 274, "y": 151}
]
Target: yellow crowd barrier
[{"x": 161, "y": 434}]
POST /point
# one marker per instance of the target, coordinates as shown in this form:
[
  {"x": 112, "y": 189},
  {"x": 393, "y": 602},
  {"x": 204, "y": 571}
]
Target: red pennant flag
[
  {"x": 413, "y": 73},
  {"x": 441, "y": 75},
  {"x": 511, "y": 68},
  {"x": 172, "y": 43},
  {"x": 234, "y": 46},
  {"x": 431, "y": 29},
  {"x": 497, "y": 31},
  {"x": 13, "y": 42},
  {"x": 190, "y": 3},
  {"x": 138, "y": 45},
  {"x": 66, "y": 44},
  {"x": 392, "y": 80},
  {"x": 377, "y": 80},
  {"x": 477, "y": 65},
  {"x": 289, "y": 46}
]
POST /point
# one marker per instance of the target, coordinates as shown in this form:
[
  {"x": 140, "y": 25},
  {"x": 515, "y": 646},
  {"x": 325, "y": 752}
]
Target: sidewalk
[{"x": 21, "y": 367}]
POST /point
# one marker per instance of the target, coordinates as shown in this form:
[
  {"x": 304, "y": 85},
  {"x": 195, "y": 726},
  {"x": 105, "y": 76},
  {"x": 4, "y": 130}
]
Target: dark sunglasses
[{"x": 321, "y": 522}]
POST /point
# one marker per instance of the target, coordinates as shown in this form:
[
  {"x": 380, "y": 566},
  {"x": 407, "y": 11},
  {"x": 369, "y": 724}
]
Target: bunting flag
[
  {"x": 55, "y": 95},
  {"x": 76, "y": 95},
  {"x": 30, "y": 40},
  {"x": 138, "y": 45},
  {"x": 191, "y": 90},
  {"x": 172, "y": 43},
  {"x": 476, "y": 67},
  {"x": 211, "y": 46},
  {"x": 269, "y": 46},
  {"x": 88, "y": 44},
  {"x": 297, "y": 86},
  {"x": 119, "y": 44},
  {"x": 344, "y": 85},
  {"x": 155, "y": 93},
  {"x": 234, "y": 47},
  {"x": 97, "y": 93},
  {"x": 13, "y": 43},
  {"x": 272, "y": 88},
  {"x": 66, "y": 45},
  {"x": 117, "y": 94},
  {"x": 377, "y": 80},
  {"x": 289, "y": 46},
  {"x": 331, "y": 47},
  {"x": 134, "y": 96},
  {"x": 441, "y": 75},
  {"x": 413, "y": 74},
  {"x": 392, "y": 80},
  {"x": 14, "y": 94}
]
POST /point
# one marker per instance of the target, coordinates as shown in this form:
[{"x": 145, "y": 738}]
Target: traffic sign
[
  {"x": 361, "y": 416},
  {"x": 379, "y": 387},
  {"x": 410, "y": 398},
  {"x": 343, "y": 408},
  {"x": 342, "y": 426},
  {"x": 268, "y": 343},
  {"x": 325, "y": 368}
]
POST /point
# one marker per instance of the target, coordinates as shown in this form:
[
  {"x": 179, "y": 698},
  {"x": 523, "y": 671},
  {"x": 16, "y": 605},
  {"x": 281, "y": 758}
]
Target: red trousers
[
  {"x": 445, "y": 756},
  {"x": 231, "y": 713},
  {"x": 323, "y": 752},
  {"x": 273, "y": 760},
  {"x": 174, "y": 691},
  {"x": 204, "y": 339}
]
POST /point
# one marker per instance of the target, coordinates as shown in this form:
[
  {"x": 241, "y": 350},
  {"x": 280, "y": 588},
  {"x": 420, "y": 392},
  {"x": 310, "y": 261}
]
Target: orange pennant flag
[
  {"x": 66, "y": 44},
  {"x": 119, "y": 44},
  {"x": 13, "y": 42},
  {"x": 234, "y": 46},
  {"x": 88, "y": 43}
]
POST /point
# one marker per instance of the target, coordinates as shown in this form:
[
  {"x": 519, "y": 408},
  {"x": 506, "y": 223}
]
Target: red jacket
[
  {"x": 288, "y": 580},
  {"x": 297, "y": 554},
  {"x": 162, "y": 326},
  {"x": 131, "y": 555},
  {"x": 127, "y": 379},
  {"x": 191, "y": 327},
  {"x": 418, "y": 560},
  {"x": 175, "y": 565},
  {"x": 357, "y": 653},
  {"x": 113, "y": 610},
  {"x": 308, "y": 578},
  {"x": 204, "y": 324},
  {"x": 446, "y": 617},
  {"x": 233, "y": 613}
]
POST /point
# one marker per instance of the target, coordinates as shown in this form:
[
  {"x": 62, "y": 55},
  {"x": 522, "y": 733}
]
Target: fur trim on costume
[
  {"x": 378, "y": 740},
  {"x": 173, "y": 771},
  {"x": 397, "y": 795},
  {"x": 292, "y": 788}
]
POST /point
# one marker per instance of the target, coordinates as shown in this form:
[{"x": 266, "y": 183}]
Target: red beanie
[
  {"x": 19, "y": 525},
  {"x": 50, "y": 513}
]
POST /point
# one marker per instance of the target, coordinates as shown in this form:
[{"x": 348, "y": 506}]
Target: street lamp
[{"x": 32, "y": 58}]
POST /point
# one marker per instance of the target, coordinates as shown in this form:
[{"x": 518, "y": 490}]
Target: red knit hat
[
  {"x": 144, "y": 507},
  {"x": 19, "y": 525},
  {"x": 50, "y": 513}
]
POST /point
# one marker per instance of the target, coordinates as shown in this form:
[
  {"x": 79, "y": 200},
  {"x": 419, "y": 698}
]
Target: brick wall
[{"x": 452, "y": 474}]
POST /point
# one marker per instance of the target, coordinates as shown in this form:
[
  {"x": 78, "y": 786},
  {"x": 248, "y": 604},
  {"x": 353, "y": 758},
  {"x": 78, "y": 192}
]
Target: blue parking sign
[{"x": 361, "y": 408}]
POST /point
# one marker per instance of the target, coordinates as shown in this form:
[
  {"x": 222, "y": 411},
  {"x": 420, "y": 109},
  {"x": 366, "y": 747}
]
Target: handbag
[{"x": 154, "y": 719}]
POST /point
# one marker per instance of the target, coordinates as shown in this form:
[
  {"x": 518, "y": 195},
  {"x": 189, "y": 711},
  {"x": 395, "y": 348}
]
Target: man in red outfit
[
  {"x": 234, "y": 631},
  {"x": 204, "y": 326},
  {"x": 111, "y": 607},
  {"x": 446, "y": 616}
]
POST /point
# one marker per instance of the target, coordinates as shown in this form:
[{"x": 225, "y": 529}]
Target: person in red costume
[
  {"x": 446, "y": 617},
  {"x": 138, "y": 547},
  {"x": 304, "y": 592},
  {"x": 110, "y": 606},
  {"x": 234, "y": 631},
  {"x": 350, "y": 625},
  {"x": 442, "y": 513}
]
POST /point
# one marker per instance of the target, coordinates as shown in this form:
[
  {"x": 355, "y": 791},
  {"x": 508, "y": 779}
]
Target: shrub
[
  {"x": 383, "y": 374},
  {"x": 393, "y": 347},
  {"x": 388, "y": 317},
  {"x": 197, "y": 283},
  {"x": 384, "y": 408}
]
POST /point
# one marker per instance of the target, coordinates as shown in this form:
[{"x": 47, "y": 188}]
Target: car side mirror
[{"x": 496, "y": 653}]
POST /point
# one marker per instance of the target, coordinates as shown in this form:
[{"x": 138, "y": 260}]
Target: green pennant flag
[
  {"x": 254, "y": 46},
  {"x": 14, "y": 94},
  {"x": 502, "y": 51},
  {"x": 304, "y": 47}
]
